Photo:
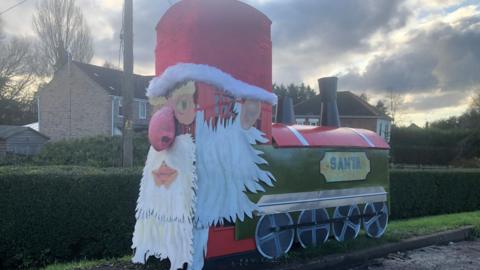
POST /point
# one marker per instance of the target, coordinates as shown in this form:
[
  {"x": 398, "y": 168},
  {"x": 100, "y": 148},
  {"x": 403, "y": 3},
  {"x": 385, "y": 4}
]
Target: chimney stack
[
  {"x": 285, "y": 111},
  {"x": 328, "y": 95}
]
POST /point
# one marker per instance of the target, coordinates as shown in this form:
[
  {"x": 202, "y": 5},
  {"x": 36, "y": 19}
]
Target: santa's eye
[
  {"x": 185, "y": 109},
  {"x": 250, "y": 113},
  {"x": 182, "y": 104}
]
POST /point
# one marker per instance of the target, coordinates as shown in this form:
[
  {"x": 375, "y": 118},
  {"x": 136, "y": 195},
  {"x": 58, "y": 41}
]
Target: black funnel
[
  {"x": 328, "y": 96},
  {"x": 285, "y": 112}
]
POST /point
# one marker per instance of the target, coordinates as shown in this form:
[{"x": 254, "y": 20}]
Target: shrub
[
  {"x": 15, "y": 159},
  {"x": 65, "y": 213},
  {"x": 423, "y": 193},
  {"x": 100, "y": 151},
  {"x": 426, "y": 146}
]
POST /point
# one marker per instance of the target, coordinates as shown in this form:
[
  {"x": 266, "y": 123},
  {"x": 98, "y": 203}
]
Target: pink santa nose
[{"x": 161, "y": 130}]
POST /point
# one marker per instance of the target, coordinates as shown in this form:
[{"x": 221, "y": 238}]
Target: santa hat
[{"x": 174, "y": 75}]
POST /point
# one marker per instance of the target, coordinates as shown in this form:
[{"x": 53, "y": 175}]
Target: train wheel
[
  {"x": 274, "y": 235},
  {"x": 375, "y": 219},
  {"x": 316, "y": 228},
  {"x": 346, "y": 224}
]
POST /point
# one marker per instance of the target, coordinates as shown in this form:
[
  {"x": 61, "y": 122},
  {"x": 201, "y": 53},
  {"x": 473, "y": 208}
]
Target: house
[
  {"x": 20, "y": 140},
  {"x": 85, "y": 100},
  {"x": 354, "y": 112}
]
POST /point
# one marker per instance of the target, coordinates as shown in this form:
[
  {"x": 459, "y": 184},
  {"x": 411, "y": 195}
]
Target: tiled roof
[
  {"x": 111, "y": 79},
  {"x": 7, "y": 131},
  {"x": 348, "y": 104}
]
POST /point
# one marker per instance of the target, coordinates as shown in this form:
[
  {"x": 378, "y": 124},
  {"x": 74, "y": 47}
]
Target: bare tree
[
  {"x": 16, "y": 73},
  {"x": 381, "y": 107},
  {"x": 61, "y": 28},
  {"x": 365, "y": 97},
  {"x": 16, "y": 79},
  {"x": 396, "y": 101}
]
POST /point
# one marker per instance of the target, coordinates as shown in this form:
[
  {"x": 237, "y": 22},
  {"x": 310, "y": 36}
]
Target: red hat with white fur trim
[
  {"x": 174, "y": 75},
  {"x": 221, "y": 43},
  {"x": 230, "y": 50}
]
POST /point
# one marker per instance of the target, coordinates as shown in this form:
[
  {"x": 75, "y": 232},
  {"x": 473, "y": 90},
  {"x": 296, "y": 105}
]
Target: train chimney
[
  {"x": 328, "y": 96},
  {"x": 285, "y": 111}
]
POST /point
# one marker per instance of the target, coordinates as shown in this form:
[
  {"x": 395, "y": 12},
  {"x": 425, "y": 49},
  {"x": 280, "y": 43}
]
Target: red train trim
[
  {"x": 221, "y": 242},
  {"x": 283, "y": 136}
]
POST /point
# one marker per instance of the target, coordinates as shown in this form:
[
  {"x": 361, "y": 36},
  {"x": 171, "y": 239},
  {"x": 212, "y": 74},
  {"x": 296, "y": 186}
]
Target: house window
[
  {"x": 313, "y": 122},
  {"x": 300, "y": 121},
  {"x": 383, "y": 129},
  {"x": 387, "y": 132},
  {"x": 142, "y": 110}
]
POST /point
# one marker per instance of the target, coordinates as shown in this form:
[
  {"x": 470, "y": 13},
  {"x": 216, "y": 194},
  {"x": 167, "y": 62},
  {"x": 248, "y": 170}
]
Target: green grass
[
  {"x": 402, "y": 229},
  {"x": 396, "y": 231},
  {"x": 85, "y": 264}
]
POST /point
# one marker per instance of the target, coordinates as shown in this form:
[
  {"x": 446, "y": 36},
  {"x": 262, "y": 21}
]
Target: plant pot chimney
[
  {"x": 285, "y": 111},
  {"x": 328, "y": 95}
]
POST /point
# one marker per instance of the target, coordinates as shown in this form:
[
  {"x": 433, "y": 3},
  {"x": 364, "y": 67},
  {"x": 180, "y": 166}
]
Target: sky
[{"x": 425, "y": 54}]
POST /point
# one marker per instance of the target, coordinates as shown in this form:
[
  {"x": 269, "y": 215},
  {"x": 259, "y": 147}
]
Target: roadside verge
[{"x": 337, "y": 261}]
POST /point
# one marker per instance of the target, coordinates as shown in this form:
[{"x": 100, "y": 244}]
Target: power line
[{"x": 12, "y": 7}]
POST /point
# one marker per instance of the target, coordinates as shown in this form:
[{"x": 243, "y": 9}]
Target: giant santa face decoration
[{"x": 199, "y": 167}]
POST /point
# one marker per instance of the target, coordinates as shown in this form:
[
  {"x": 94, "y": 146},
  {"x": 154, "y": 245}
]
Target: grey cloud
[
  {"x": 331, "y": 26},
  {"x": 309, "y": 34},
  {"x": 306, "y": 33},
  {"x": 444, "y": 57},
  {"x": 146, "y": 15},
  {"x": 431, "y": 102}
]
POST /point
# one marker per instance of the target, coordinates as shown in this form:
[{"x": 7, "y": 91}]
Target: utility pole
[{"x": 127, "y": 86}]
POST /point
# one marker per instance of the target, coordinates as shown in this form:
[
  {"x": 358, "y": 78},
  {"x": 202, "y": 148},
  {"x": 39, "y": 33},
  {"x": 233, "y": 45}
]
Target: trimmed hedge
[
  {"x": 427, "y": 146},
  {"x": 62, "y": 213},
  {"x": 99, "y": 151},
  {"x": 65, "y": 213},
  {"x": 423, "y": 193}
]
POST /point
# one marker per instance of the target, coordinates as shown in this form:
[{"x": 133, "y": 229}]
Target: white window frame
[
  {"x": 300, "y": 121},
  {"x": 384, "y": 129},
  {"x": 313, "y": 121},
  {"x": 142, "y": 110},
  {"x": 119, "y": 105}
]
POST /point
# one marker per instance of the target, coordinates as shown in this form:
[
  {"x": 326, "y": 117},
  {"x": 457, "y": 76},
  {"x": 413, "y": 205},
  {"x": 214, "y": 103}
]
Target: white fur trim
[{"x": 182, "y": 72}]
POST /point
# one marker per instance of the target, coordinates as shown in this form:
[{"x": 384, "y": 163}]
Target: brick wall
[
  {"x": 365, "y": 123},
  {"x": 73, "y": 106}
]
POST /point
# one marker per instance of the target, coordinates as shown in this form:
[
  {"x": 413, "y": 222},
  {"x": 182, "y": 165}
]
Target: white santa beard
[
  {"x": 164, "y": 215},
  {"x": 227, "y": 165}
]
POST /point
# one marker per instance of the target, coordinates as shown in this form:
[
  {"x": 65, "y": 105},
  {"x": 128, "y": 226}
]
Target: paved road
[{"x": 461, "y": 255}]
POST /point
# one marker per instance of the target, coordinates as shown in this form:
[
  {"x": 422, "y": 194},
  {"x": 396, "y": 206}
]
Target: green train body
[
  {"x": 329, "y": 183},
  {"x": 297, "y": 170}
]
